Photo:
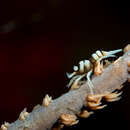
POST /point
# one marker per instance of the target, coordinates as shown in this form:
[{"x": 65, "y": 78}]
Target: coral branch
[{"x": 43, "y": 118}]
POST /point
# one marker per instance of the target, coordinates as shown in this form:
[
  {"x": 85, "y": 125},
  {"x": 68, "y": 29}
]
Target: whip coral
[{"x": 67, "y": 108}]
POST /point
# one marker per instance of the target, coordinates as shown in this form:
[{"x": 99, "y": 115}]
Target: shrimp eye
[{"x": 75, "y": 68}]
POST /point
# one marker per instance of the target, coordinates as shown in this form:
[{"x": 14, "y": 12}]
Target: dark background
[{"x": 41, "y": 40}]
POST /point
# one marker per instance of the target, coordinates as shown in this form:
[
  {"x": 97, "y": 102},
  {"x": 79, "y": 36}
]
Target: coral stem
[{"x": 43, "y": 118}]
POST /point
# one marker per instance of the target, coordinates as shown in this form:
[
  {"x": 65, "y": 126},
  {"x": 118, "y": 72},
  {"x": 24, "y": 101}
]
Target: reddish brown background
[{"x": 41, "y": 40}]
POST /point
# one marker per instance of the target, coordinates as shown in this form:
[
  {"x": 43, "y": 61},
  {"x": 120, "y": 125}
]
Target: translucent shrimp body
[{"x": 87, "y": 67}]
